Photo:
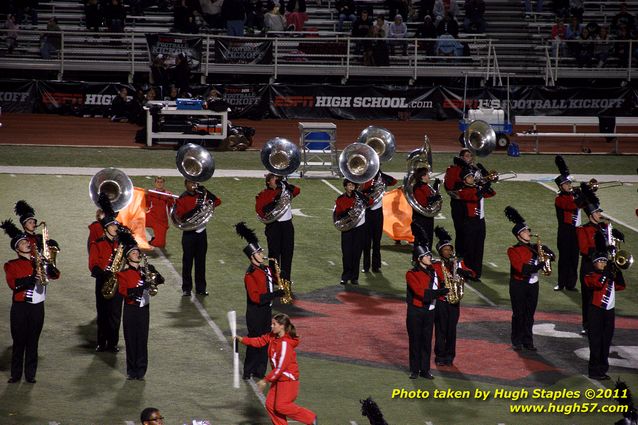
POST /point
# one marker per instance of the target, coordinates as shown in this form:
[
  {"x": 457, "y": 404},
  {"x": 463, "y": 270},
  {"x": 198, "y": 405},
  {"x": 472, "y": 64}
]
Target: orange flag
[
  {"x": 397, "y": 216},
  {"x": 134, "y": 217}
]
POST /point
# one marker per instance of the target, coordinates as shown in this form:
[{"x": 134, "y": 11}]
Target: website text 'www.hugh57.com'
[{"x": 568, "y": 409}]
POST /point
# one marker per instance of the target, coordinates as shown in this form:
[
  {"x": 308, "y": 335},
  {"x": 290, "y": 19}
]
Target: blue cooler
[{"x": 189, "y": 104}]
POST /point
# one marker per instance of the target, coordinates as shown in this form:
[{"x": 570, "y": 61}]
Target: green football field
[{"x": 353, "y": 340}]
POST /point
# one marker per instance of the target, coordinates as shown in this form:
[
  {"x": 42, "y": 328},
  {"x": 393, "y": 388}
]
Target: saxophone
[
  {"x": 39, "y": 267},
  {"x": 454, "y": 282},
  {"x": 151, "y": 277},
  {"x": 283, "y": 284},
  {"x": 109, "y": 287},
  {"x": 543, "y": 257}
]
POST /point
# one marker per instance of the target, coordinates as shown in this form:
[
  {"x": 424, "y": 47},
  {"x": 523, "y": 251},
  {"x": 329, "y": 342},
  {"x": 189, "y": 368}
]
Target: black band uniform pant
[
  {"x": 109, "y": 317},
  {"x": 374, "y": 231},
  {"x": 281, "y": 244},
  {"x": 474, "y": 244},
  {"x": 136, "y": 324},
  {"x": 457, "y": 208},
  {"x": 351, "y": 250},
  {"x": 258, "y": 318},
  {"x": 420, "y": 321},
  {"x": 194, "y": 246},
  {"x": 600, "y": 333},
  {"x": 567, "y": 256},
  {"x": 26, "y": 325},
  {"x": 524, "y": 299},
  {"x": 446, "y": 319}
]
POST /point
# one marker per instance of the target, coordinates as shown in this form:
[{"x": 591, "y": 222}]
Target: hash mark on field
[
  {"x": 331, "y": 262},
  {"x": 353, "y": 423},
  {"x": 222, "y": 262},
  {"x": 384, "y": 263},
  {"x": 492, "y": 264},
  {"x": 129, "y": 422},
  {"x": 429, "y": 423},
  {"x": 236, "y": 178}
]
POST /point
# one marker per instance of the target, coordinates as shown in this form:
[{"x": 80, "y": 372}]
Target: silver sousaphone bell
[
  {"x": 115, "y": 184},
  {"x": 280, "y": 156},
  {"x": 359, "y": 163},
  {"x": 480, "y": 138},
  {"x": 379, "y": 139}
]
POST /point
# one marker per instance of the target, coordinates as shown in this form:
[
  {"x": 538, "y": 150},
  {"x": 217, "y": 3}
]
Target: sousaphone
[
  {"x": 281, "y": 157},
  {"x": 115, "y": 184},
  {"x": 480, "y": 138}
]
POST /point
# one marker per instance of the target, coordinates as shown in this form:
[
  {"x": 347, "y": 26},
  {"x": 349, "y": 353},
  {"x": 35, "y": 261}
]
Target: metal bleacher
[{"x": 512, "y": 44}]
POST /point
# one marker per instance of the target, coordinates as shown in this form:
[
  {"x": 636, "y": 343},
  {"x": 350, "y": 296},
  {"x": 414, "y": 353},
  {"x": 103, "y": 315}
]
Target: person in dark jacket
[
  {"x": 181, "y": 73},
  {"x": 234, "y": 13}
]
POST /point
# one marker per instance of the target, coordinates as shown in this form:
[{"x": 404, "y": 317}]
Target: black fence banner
[
  {"x": 78, "y": 98},
  {"x": 169, "y": 46},
  {"x": 17, "y": 96},
  {"x": 241, "y": 52}
]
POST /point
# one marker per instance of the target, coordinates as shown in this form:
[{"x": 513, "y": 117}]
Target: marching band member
[
  {"x": 604, "y": 281},
  {"x": 133, "y": 286},
  {"x": 568, "y": 215},
  {"x": 101, "y": 253},
  {"x": 446, "y": 314},
  {"x": 96, "y": 231},
  {"x": 425, "y": 195},
  {"x": 26, "y": 214},
  {"x": 374, "y": 222},
  {"x": 284, "y": 376},
  {"x": 259, "y": 282},
  {"x": 351, "y": 240},
  {"x": 523, "y": 286},
  {"x": 473, "y": 197},
  {"x": 280, "y": 234},
  {"x": 453, "y": 182},
  {"x": 25, "y": 279},
  {"x": 423, "y": 289},
  {"x": 194, "y": 242},
  {"x": 587, "y": 245},
  {"x": 157, "y": 212}
]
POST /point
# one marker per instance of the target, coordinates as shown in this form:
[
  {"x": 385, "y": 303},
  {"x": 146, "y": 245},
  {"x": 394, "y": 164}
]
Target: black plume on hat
[
  {"x": 421, "y": 242},
  {"x": 591, "y": 201},
  {"x": 625, "y": 399},
  {"x": 518, "y": 220},
  {"x": 562, "y": 169},
  {"x": 24, "y": 210},
  {"x": 250, "y": 236},
  {"x": 13, "y": 232},
  {"x": 109, "y": 214},
  {"x": 459, "y": 161},
  {"x": 484, "y": 171},
  {"x": 125, "y": 237},
  {"x": 444, "y": 237}
]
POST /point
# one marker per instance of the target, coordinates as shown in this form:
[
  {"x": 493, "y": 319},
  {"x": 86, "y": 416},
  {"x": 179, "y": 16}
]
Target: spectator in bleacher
[
  {"x": 603, "y": 46},
  {"x": 561, "y": 8},
  {"x": 274, "y": 20},
  {"x": 443, "y": 8},
  {"x": 212, "y": 12},
  {"x": 572, "y": 32},
  {"x": 427, "y": 30},
  {"x": 447, "y": 45},
  {"x": 559, "y": 34},
  {"x": 159, "y": 73},
  {"x": 448, "y": 26},
  {"x": 50, "y": 42},
  {"x": 172, "y": 94},
  {"x": 296, "y": 14},
  {"x": 181, "y": 72},
  {"x": 584, "y": 49},
  {"x": 528, "y": 8},
  {"x": 234, "y": 13},
  {"x": 621, "y": 50},
  {"x": 184, "y": 18},
  {"x": 401, "y": 7},
  {"x": 623, "y": 18},
  {"x": 474, "y": 21},
  {"x": 362, "y": 28},
  {"x": 92, "y": 15},
  {"x": 577, "y": 8},
  {"x": 27, "y": 9},
  {"x": 378, "y": 54},
  {"x": 426, "y": 7},
  {"x": 593, "y": 29},
  {"x": 115, "y": 15},
  {"x": 380, "y": 29},
  {"x": 12, "y": 33},
  {"x": 398, "y": 29},
  {"x": 345, "y": 8},
  {"x": 255, "y": 12},
  {"x": 150, "y": 95},
  {"x": 120, "y": 107}
]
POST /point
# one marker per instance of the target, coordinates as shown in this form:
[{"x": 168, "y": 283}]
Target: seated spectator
[
  {"x": 572, "y": 32},
  {"x": 212, "y": 12},
  {"x": 50, "y": 42},
  {"x": 584, "y": 49},
  {"x": 234, "y": 13},
  {"x": 623, "y": 18},
  {"x": 444, "y": 8},
  {"x": 92, "y": 16},
  {"x": 621, "y": 50},
  {"x": 120, "y": 107},
  {"x": 528, "y": 8},
  {"x": 345, "y": 9},
  {"x": 362, "y": 28},
  {"x": 447, "y": 45},
  {"x": 448, "y": 26},
  {"x": 398, "y": 29},
  {"x": 296, "y": 14},
  {"x": 181, "y": 72},
  {"x": 255, "y": 12},
  {"x": 577, "y": 8},
  {"x": 560, "y": 8},
  {"x": 173, "y": 93},
  {"x": 474, "y": 21},
  {"x": 115, "y": 16},
  {"x": 379, "y": 54},
  {"x": 559, "y": 31},
  {"x": 593, "y": 29},
  {"x": 12, "y": 33},
  {"x": 427, "y": 30},
  {"x": 426, "y": 8},
  {"x": 151, "y": 95},
  {"x": 274, "y": 20},
  {"x": 159, "y": 73},
  {"x": 402, "y": 7},
  {"x": 602, "y": 47}
]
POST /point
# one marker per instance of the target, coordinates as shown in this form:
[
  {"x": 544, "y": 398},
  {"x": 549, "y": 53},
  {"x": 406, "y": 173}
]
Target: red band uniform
[
  {"x": 374, "y": 222},
  {"x": 452, "y": 183},
  {"x": 280, "y": 234},
  {"x": 568, "y": 216},
  {"x": 283, "y": 378},
  {"x": 425, "y": 195},
  {"x": 157, "y": 216}
]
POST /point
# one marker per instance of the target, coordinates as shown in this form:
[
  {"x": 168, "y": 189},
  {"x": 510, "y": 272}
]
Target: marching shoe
[
  {"x": 354, "y": 282},
  {"x": 13, "y": 380},
  {"x": 558, "y": 288},
  {"x": 426, "y": 375},
  {"x": 414, "y": 375},
  {"x": 114, "y": 349},
  {"x": 141, "y": 378},
  {"x": 202, "y": 293},
  {"x": 365, "y": 271},
  {"x": 100, "y": 348},
  {"x": 376, "y": 270},
  {"x": 33, "y": 381},
  {"x": 130, "y": 378},
  {"x": 343, "y": 282},
  {"x": 583, "y": 332},
  {"x": 530, "y": 348},
  {"x": 517, "y": 347},
  {"x": 574, "y": 289},
  {"x": 186, "y": 294}
]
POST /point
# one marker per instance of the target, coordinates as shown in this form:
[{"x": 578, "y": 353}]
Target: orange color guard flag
[
  {"x": 134, "y": 217},
  {"x": 397, "y": 216}
]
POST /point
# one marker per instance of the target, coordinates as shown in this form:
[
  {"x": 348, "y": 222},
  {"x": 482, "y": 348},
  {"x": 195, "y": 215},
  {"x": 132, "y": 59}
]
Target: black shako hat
[
  {"x": 125, "y": 237},
  {"x": 592, "y": 203},
  {"x": 517, "y": 219},
  {"x": 564, "y": 176},
  {"x": 421, "y": 242},
  {"x": 250, "y": 237},
  {"x": 445, "y": 239},
  {"x": 13, "y": 232}
]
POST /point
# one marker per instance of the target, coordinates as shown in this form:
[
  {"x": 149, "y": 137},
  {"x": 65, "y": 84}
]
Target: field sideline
[{"x": 353, "y": 339}]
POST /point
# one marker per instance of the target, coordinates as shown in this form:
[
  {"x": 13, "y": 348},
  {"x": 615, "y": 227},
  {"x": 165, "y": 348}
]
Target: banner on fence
[
  {"x": 241, "y": 52},
  {"x": 17, "y": 96},
  {"x": 170, "y": 46}
]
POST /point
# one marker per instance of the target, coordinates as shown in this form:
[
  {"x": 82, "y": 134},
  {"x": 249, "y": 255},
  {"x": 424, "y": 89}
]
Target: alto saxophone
[
  {"x": 109, "y": 287},
  {"x": 543, "y": 257},
  {"x": 283, "y": 284},
  {"x": 454, "y": 282},
  {"x": 39, "y": 267},
  {"x": 151, "y": 277}
]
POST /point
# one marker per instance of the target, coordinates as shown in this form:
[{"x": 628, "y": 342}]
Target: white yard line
[
  {"x": 481, "y": 296},
  {"x": 333, "y": 187}
]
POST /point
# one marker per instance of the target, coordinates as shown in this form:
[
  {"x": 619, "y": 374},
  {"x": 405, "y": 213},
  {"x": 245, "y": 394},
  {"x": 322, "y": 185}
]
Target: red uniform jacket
[
  {"x": 158, "y": 207},
  {"x": 259, "y": 285},
  {"x": 523, "y": 261},
  {"x": 344, "y": 203},
  {"x": 19, "y": 274},
  {"x": 472, "y": 197},
  {"x": 420, "y": 285},
  {"x": 453, "y": 180},
  {"x": 566, "y": 208},
  {"x": 586, "y": 238},
  {"x": 266, "y": 200},
  {"x": 128, "y": 280},
  {"x": 602, "y": 286},
  {"x": 100, "y": 253},
  {"x": 281, "y": 352},
  {"x": 187, "y": 202},
  {"x": 96, "y": 231}
]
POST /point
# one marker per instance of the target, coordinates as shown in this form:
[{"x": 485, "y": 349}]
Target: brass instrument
[
  {"x": 621, "y": 258},
  {"x": 494, "y": 176},
  {"x": 283, "y": 284},
  {"x": 48, "y": 255},
  {"x": 453, "y": 281},
  {"x": 594, "y": 184},
  {"x": 480, "y": 138},
  {"x": 196, "y": 164},
  {"x": 281, "y": 157},
  {"x": 383, "y": 143},
  {"x": 39, "y": 266},
  {"x": 419, "y": 158},
  {"x": 116, "y": 262},
  {"x": 543, "y": 257},
  {"x": 115, "y": 184},
  {"x": 151, "y": 277},
  {"x": 352, "y": 218}
]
